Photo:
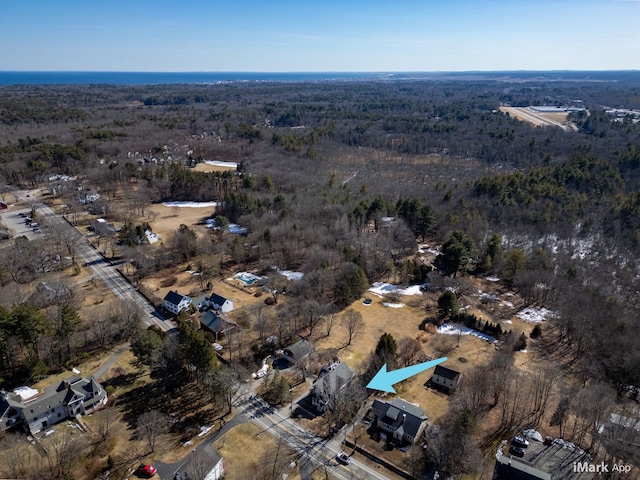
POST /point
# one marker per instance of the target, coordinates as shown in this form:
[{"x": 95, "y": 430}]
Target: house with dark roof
[
  {"x": 217, "y": 322},
  {"x": 74, "y": 396},
  {"x": 220, "y": 303},
  {"x": 331, "y": 380},
  {"x": 103, "y": 228},
  {"x": 175, "y": 302},
  {"x": 296, "y": 352},
  {"x": 403, "y": 420},
  {"x": 446, "y": 378},
  {"x": 10, "y": 410}
]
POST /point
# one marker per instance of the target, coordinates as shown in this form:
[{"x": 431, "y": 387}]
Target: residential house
[
  {"x": 206, "y": 463},
  {"x": 217, "y": 322},
  {"x": 403, "y": 420},
  {"x": 175, "y": 302},
  {"x": 218, "y": 302},
  {"x": 75, "y": 396},
  {"x": 10, "y": 410},
  {"x": 89, "y": 197},
  {"x": 152, "y": 237},
  {"x": 103, "y": 228},
  {"x": 446, "y": 378},
  {"x": 296, "y": 352},
  {"x": 331, "y": 380}
]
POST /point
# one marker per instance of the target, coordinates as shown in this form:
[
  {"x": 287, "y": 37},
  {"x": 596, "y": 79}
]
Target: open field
[
  {"x": 539, "y": 119},
  {"x": 247, "y": 450},
  {"x": 206, "y": 168},
  {"x": 166, "y": 220}
]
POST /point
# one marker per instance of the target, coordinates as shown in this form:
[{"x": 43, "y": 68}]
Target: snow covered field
[
  {"x": 535, "y": 315},
  {"x": 455, "y": 329},
  {"x": 381, "y": 289},
  {"x": 191, "y": 204},
  {"x": 290, "y": 275},
  {"x": 217, "y": 163}
]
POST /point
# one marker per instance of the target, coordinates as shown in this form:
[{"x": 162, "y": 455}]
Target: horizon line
[{"x": 327, "y": 71}]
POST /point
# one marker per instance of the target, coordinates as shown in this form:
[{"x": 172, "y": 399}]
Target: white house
[
  {"x": 206, "y": 461},
  {"x": 175, "y": 302},
  {"x": 218, "y": 302},
  {"x": 446, "y": 377},
  {"x": 152, "y": 237}
]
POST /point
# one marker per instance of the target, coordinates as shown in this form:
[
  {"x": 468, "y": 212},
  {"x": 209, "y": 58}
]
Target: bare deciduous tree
[
  {"x": 150, "y": 426},
  {"x": 353, "y": 324},
  {"x": 409, "y": 350},
  {"x": 104, "y": 421}
]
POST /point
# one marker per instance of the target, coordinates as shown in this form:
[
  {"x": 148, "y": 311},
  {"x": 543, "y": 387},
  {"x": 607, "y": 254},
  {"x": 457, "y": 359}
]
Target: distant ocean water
[{"x": 165, "y": 78}]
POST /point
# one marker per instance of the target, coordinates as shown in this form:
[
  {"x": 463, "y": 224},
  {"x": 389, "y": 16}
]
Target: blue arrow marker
[{"x": 384, "y": 380}]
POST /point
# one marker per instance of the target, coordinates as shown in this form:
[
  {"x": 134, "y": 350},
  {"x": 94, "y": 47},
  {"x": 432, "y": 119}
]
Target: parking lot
[{"x": 16, "y": 222}]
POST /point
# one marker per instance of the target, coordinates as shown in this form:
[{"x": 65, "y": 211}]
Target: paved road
[
  {"x": 311, "y": 448},
  {"x": 85, "y": 254},
  {"x": 318, "y": 451}
]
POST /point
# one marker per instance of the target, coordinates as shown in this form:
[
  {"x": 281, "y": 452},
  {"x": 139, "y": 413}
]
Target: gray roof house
[
  {"x": 298, "y": 351},
  {"x": 103, "y": 228},
  {"x": 217, "y": 322},
  {"x": 331, "y": 380},
  {"x": 10, "y": 410},
  {"x": 206, "y": 463},
  {"x": 74, "y": 396},
  {"x": 446, "y": 378},
  {"x": 175, "y": 302},
  {"x": 218, "y": 302},
  {"x": 403, "y": 420}
]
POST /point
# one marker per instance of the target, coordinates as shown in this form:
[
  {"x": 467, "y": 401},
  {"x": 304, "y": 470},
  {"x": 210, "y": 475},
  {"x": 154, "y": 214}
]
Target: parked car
[
  {"x": 343, "y": 458},
  {"x": 520, "y": 442},
  {"x": 517, "y": 451},
  {"x": 147, "y": 471}
]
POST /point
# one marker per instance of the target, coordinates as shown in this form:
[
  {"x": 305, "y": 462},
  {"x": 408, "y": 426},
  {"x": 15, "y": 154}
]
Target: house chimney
[{"x": 404, "y": 417}]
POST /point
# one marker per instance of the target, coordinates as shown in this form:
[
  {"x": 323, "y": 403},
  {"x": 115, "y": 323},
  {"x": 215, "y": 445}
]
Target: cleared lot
[{"x": 539, "y": 119}]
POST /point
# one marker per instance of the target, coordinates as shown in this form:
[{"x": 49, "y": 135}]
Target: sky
[{"x": 319, "y": 36}]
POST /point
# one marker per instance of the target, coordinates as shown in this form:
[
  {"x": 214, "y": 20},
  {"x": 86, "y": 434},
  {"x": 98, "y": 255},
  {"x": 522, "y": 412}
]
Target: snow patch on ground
[
  {"x": 393, "y": 305},
  {"x": 191, "y": 204},
  {"x": 381, "y": 289},
  {"x": 424, "y": 248},
  {"x": 217, "y": 163},
  {"x": 455, "y": 329},
  {"x": 535, "y": 315},
  {"x": 290, "y": 275}
]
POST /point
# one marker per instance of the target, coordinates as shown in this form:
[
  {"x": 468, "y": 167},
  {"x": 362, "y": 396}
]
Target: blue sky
[{"x": 321, "y": 36}]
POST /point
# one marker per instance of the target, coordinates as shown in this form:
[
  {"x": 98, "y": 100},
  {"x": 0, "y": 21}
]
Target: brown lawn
[
  {"x": 206, "y": 168},
  {"x": 166, "y": 220},
  {"x": 246, "y": 450}
]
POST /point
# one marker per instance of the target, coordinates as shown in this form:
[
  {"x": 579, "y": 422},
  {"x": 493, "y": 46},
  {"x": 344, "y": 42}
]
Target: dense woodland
[{"x": 554, "y": 214}]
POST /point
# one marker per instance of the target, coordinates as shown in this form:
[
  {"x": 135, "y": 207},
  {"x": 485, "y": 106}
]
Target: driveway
[{"x": 167, "y": 471}]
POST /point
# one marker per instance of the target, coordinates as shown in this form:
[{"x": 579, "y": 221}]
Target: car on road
[
  {"x": 146, "y": 471},
  {"x": 343, "y": 458}
]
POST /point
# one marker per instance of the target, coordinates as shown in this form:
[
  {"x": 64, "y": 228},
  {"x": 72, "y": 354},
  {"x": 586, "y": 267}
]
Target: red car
[{"x": 146, "y": 471}]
